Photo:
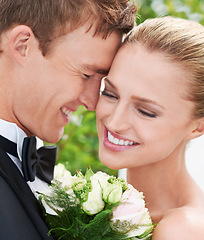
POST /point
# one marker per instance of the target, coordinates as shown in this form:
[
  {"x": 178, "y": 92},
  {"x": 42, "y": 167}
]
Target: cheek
[
  {"x": 104, "y": 107},
  {"x": 103, "y": 112},
  {"x": 159, "y": 138},
  {"x": 161, "y": 142}
]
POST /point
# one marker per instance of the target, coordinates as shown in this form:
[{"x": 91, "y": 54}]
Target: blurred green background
[{"x": 79, "y": 147}]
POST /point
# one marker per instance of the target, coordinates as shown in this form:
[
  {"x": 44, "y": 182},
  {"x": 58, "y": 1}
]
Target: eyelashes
[
  {"x": 147, "y": 114},
  {"x": 104, "y": 93},
  {"x": 140, "y": 110}
]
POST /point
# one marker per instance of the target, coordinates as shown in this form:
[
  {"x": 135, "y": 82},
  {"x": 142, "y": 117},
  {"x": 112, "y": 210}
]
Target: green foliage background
[{"x": 79, "y": 147}]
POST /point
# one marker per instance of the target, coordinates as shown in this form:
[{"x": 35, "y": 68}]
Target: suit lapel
[{"x": 15, "y": 180}]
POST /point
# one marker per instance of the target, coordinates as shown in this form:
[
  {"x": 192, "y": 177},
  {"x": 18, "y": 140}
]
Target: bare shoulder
[{"x": 184, "y": 223}]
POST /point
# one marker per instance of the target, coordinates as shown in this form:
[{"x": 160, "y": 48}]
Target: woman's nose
[{"x": 118, "y": 119}]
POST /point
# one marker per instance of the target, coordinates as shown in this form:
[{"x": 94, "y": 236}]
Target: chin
[
  {"x": 109, "y": 162},
  {"x": 52, "y": 138},
  {"x": 111, "y": 166},
  {"x": 55, "y": 139}
]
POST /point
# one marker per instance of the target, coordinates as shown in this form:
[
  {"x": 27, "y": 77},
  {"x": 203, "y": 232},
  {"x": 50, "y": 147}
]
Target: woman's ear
[
  {"x": 198, "y": 129},
  {"x": 19, "y": 42}
]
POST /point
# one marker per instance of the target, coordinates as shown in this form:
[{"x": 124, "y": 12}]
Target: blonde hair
[{"x": 182, "y": 41}]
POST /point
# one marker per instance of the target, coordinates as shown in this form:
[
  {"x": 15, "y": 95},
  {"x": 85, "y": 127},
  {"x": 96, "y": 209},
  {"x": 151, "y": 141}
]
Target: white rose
[
  {"x": 94, "y": 203},
  {"x": 59, "y": 171},
  {"x": 102, "y": 178},
  {"x": 62, "y": 175},
  {"x": 112, "y": 193}
]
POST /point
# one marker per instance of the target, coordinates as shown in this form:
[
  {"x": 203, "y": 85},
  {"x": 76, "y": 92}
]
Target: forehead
[
  {"x": 82, "y": 47},
  {"x": 150, "y": 71}
]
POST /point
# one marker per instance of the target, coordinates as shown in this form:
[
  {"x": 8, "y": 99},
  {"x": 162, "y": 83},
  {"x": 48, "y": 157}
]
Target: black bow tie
[
  {"x": 35, "y": 162},
  {"x": 39, "y": 162}
]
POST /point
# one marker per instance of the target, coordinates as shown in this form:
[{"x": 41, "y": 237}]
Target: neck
[
  {"x": 161, "y": 182},
  {"x": 7, "y": 95}
]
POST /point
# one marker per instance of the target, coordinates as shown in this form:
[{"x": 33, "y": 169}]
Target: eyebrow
[
  {"x": 95, "y": 69},
  {"x": 144, "y": 100},
  {"x": 109, "y": 82}
]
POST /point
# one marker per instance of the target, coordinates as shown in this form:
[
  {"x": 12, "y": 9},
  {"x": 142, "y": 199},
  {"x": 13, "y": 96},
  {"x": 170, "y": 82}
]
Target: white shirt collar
[
  {"x": 15, "y": 134},
  {"x": 12, "y": 132}
]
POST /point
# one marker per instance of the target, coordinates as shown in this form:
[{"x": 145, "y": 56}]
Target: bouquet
[{"x": 95, "y": 207}]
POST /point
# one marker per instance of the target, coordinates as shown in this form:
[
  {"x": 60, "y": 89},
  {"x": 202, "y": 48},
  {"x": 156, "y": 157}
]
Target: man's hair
[{"x": 50, "y": 19}]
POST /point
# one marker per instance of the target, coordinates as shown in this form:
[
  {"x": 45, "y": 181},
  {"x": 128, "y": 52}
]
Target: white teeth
[
  {"x": 121, "y": 142},
  {"x": 66, "y": 112},
  {"x": 110, "y": 137},
  {"x": 117, "y": 141}
]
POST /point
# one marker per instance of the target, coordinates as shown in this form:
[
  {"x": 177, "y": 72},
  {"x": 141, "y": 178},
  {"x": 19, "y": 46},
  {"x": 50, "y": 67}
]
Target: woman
[{"x": 151, "y": 107}]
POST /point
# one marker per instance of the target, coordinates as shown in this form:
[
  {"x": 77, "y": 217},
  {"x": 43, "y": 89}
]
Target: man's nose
[{"x": 90, "y": 95}]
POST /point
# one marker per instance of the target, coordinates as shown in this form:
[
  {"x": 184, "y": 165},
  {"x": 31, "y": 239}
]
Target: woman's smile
[{"x": 117, "y": 143}]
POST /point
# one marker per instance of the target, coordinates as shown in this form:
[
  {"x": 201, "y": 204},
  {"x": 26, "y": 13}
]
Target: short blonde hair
[{"x": 182, "y": 41}]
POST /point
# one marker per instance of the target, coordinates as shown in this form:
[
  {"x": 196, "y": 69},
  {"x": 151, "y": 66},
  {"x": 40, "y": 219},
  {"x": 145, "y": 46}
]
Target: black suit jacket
[{"x": 20, "y": 213}]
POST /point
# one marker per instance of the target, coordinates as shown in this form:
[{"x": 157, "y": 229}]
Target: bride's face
[{"x": 143, "y": 115}]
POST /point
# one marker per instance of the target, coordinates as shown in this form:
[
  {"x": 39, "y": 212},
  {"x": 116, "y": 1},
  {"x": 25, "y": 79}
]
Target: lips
[{"x": 116, "y": 143}]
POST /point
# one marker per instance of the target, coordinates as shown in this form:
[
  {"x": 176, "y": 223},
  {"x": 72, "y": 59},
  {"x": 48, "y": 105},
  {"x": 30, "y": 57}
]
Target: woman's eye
[
  {"x": 147, "y": 114},
  {"x": 104, "y": 93}
]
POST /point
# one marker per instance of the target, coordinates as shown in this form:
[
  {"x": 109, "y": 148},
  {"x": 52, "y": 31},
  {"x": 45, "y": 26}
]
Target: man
[{"x": 53, "y": 55}]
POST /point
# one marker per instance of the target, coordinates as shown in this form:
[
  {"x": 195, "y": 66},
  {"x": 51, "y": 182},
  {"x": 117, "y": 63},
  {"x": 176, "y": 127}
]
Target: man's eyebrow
[{"x": 95, "y": 69}]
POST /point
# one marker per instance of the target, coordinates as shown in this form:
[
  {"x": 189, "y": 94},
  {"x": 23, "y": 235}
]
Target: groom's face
[{"x": 52, "y": 87}]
